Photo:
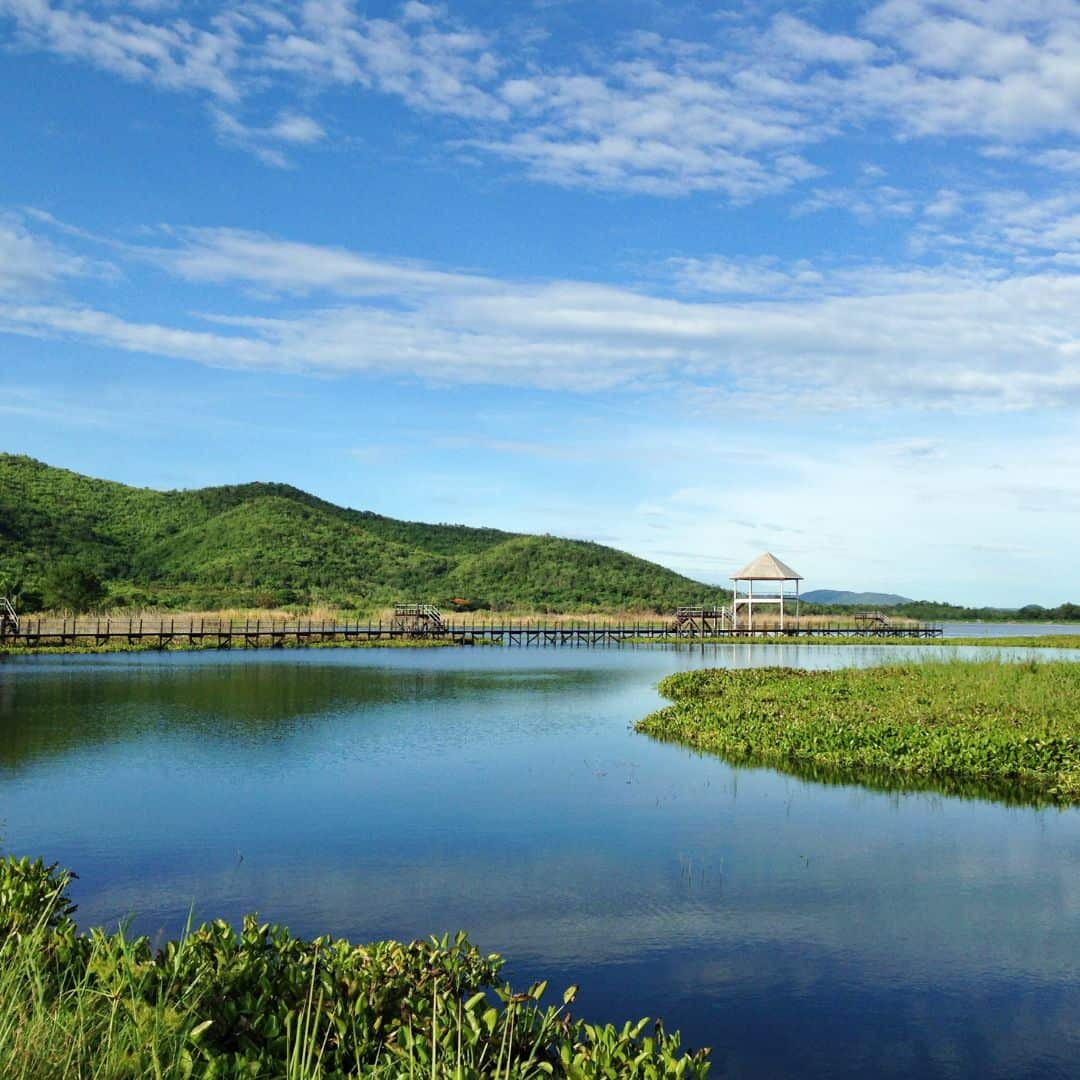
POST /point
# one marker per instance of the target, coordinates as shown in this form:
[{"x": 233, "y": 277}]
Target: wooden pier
[{"x": 273, "y": 633}]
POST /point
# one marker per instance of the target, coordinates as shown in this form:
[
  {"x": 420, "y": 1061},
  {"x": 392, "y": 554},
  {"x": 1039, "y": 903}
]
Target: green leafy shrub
[
  {"x": 33, "y": 894},
  {"x": 258, "y": 1002}
]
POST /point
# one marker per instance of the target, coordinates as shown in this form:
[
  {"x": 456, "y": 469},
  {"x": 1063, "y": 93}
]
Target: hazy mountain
[{"x": 860, "y": 599}]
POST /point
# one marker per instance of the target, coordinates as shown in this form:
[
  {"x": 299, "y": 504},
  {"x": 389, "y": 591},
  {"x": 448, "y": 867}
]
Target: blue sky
[{"x": 693, "y": 279}]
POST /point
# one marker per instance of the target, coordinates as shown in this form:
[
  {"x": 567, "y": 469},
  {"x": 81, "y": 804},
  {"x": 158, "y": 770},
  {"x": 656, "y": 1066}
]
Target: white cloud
[
  {"x": 1060, "y": 160},
  {"x": 868, "y": 202},
  {"x": 799, "y": 39},
  {"x": 976, "y": 68},
  {"x": 294, "y": 128},
  {"x": 174, "y": 55},
  {"x": 1018, "y": 228},
  {"x": 433, "y": 66},
  {"x": 857, "y": 338},
  {"x": 862, "y": 512},
  {"x": 266, "y": 263},
  {"x": 30, "y": 264},
  {"x": 735, "y": 114},
  {"x": 291, "y": 129},
  {"x": 645, "y": 126},
  {"x": 416, "y": 12}
]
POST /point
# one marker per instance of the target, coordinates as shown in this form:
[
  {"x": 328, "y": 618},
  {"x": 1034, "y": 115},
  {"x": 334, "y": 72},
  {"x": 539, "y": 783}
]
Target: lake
[{"x": 795, "y": 927}]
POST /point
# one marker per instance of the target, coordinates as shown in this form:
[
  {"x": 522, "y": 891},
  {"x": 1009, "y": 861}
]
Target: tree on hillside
[
  {"x": 70, "y": 585},
  {"x": 20, "y": 594}
]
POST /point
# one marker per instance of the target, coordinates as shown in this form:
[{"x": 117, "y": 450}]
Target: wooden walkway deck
[{"x": 267, "y": 633}]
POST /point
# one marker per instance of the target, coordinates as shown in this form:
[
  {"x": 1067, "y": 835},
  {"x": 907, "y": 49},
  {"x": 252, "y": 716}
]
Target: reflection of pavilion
[{"x": 765, "y": 567}]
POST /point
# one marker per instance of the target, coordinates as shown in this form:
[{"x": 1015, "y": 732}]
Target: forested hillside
[{"x": 272, "y": 544}]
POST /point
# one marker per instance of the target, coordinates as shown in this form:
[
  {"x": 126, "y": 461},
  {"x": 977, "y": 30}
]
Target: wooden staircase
[
  {"x": 9, "y": 618},
  {"x": 872, "y": 620},
  {"x": 701, "y": 621},
  {"x": 419, "y": 620}
]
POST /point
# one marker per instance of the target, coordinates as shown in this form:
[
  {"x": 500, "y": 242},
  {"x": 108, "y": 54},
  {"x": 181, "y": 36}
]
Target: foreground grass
[
  {"x": 1006, "y": 728},
  {"x": 261, "y": 1003}
]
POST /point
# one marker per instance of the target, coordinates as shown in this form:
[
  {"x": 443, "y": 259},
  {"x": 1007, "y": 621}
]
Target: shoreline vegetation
[
  {"x": 220, "y": 1003},
  {"x": 1020, "y": 641},
  {"x": 1007, "y": 730}
]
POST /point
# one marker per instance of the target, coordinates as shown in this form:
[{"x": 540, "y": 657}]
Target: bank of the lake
[
  {"x": 1029, "y": 641},
  {"x": 1002, "y": 722},
  {"x": 220, "y": 1003}
]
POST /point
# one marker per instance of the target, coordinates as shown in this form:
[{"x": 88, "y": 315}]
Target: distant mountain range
[
  {"x": 853, "y": 599},
  {"x": 266, "y": 544}
]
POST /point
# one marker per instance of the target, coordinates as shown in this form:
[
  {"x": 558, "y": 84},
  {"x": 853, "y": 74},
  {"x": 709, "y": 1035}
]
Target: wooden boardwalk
[{"x": 269, "y": 633}]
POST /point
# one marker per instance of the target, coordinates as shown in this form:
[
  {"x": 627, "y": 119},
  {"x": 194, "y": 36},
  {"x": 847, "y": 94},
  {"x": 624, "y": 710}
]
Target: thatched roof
[{"x": 766, "y": 567}]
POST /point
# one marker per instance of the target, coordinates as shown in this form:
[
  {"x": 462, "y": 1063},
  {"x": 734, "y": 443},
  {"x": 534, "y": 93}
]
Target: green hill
[{"x": 272, "y": 544}]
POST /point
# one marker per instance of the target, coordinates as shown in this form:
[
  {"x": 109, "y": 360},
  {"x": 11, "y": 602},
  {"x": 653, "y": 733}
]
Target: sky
[{"x": 697, "y": 280}]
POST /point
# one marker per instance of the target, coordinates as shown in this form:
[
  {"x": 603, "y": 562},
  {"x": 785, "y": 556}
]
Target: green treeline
[
  {"x": 939, "y": 611},
  {"x": 70, "y": 541},
  {"x": 935, "y": 611},
  {"x": 222, "y": 1004}
]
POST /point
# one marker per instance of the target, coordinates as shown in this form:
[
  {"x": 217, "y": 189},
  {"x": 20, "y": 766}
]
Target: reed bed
[
  {"x": 1011, "y": 724},
  {"x": 157, "y": 616}
]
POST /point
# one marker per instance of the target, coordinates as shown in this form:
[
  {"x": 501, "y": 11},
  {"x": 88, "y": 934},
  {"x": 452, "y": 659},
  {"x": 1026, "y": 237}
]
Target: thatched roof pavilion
[{"x": 766, "y": 567}]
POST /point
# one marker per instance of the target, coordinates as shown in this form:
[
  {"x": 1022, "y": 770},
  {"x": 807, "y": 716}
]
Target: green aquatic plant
[
  {"x": 1013, "y": 728},
  {"x": 258, "y": 1002}
]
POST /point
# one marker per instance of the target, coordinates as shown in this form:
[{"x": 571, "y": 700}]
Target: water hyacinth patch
[{"x": 1013, "y": 726}]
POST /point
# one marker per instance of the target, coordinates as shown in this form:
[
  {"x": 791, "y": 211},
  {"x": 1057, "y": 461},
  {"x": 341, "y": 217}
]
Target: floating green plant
[{"x": 1008, "y": 730}]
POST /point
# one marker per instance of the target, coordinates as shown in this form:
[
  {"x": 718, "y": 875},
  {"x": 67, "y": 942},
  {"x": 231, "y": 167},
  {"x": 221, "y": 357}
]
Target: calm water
[
  {"x": 992, "y": 629},
  {"x": 799, "y": 929}
]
